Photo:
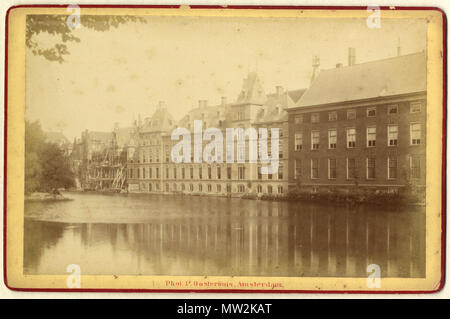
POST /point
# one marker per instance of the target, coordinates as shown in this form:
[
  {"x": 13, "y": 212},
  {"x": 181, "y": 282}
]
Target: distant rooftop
[
  {"x": 252, "y": 90},
  {"x": 160, "y": 121},
  {"x": 101, "y": 137},
  {"x": 392, "y": 76}
]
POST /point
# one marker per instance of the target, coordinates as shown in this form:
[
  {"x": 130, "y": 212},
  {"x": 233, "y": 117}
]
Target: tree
[
  {"x": 56, "y": 25},
  {"x": 56, "y": 172},
  {"x": 46, "y": 167},
  {"x": 34, "y": 139}
]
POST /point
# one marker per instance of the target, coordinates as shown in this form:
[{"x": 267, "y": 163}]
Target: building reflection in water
[{"x": 235, "y": 237}]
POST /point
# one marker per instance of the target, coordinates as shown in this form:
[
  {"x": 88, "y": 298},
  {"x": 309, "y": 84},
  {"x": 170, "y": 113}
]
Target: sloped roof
[
  {"x": 295, "y": 95},
  {"x": 123, "y": 135},
  {"x": 274, "y": 109},
  {"x": 252, "y": 91},
  {"x": 160, "y": 121},
  {"x": 210, "y": 115},
  {"x": 392, "y": 76}
]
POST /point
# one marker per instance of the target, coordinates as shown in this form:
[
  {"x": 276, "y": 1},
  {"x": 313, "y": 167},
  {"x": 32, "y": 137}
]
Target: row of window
[
  {"x": 415, "y": 134},
  {"x": 270, "y": 176},
  {"x": 147, "y": 172},
  {"x": 147, "y": 157},
  {"x": 351, "y": 168},
  {"x": 241, "y": 188},
  {"x": 415, "y": 107}
]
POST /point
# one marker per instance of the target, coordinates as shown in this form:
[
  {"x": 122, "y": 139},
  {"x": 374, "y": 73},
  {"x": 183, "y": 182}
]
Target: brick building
[{"x": 362, "y": 125}]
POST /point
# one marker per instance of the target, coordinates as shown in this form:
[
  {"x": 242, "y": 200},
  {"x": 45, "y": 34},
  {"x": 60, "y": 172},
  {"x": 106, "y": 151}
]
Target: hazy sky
[{"x": 115, "y": 75}]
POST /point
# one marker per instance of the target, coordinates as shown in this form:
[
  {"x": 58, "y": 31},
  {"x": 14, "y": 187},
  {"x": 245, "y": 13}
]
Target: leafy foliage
[
  {"x": 34, "y": 139},
  {"x": 56, "y": 25},
  {"x": 56, "y": 171},
  {"x": 46, "y": 167}
]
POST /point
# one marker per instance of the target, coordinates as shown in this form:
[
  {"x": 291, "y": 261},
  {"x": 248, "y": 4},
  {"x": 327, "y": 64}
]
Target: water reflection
[{"x": 182, "y": 235}]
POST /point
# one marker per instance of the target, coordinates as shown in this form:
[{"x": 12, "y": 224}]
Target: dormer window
[
  {"x": 371, "y": 112},
  {"x": 332, "y": 116},
  {"x": 351, "y": 114},
  {"x": 415, "y": 107},
  {"x": 393, "y": 109}
]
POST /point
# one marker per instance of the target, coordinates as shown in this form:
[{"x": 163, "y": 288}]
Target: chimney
[
  {"x": 315, "y": 65},
  {"x": 351, "y": 56},
  {"x": 224, "y": 100},
  {"x": 279, "y": 90},
  {"x": 338, "y": 65}
]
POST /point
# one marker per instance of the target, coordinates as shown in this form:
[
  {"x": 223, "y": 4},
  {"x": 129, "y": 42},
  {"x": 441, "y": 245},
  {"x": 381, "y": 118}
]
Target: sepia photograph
[{"x": 213, "y": 150}]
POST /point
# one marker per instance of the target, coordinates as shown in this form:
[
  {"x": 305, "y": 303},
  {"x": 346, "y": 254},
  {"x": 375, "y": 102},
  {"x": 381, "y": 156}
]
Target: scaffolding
[{"x": 106, "y": 170}]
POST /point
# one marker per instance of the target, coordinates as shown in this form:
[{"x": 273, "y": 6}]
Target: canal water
[{"x": 143, "y": 234}]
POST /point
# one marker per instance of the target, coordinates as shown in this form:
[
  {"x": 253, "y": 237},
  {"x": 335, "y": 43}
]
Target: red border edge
[{"x": 444, "y": 152}]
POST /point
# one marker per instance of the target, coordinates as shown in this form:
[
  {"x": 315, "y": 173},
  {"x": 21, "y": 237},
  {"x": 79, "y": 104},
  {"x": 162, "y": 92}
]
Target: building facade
[
  {"x": 99, "y": 159},
  {"x": 362, "y": 127},
  {"x": 150, "y": 167}
]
